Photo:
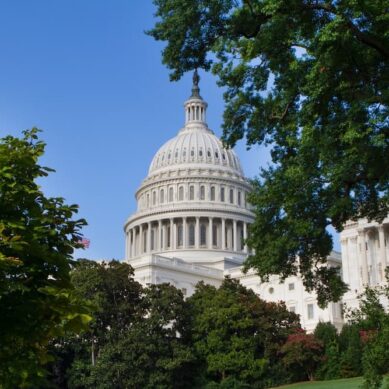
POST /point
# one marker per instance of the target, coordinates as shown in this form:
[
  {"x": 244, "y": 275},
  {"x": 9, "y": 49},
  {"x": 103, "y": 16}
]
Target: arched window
[
  {"x": 231, "y": 196},
  {"x": 171, "y": 194},
  {"x": 154, "y": 198},
  {"x": 161, "y": 196},
  {"x": 203, "y": 234},
  {"x": 192, "y": 153},
  {"x": 191, "y": 234},
  {"x": 191, "y": 192},
  {"x": 222, "y": 194},
  {"x": 148, "y": 200},
  {"x": 181, "y": 193},
  {"x": 213, "y": 196},
  {"x": 202, "y": 192},
  {"x": 239, "y": 198},
  {"x": 179, "y": 235}
]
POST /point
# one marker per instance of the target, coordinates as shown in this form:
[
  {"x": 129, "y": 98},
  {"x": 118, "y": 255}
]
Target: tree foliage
[
  {"x": 37, "y": 237},
  {"x": 302, "y": 353},
  {"x": 236, "y": 335},
  {"x": 310, "y": 80}
]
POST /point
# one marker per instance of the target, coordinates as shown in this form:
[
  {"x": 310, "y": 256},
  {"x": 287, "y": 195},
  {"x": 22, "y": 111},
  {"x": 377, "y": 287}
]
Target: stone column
[
  {"x": 245, "y": 248},
  {"x": 184, "y": 233},
  {"x": 210, "y": 233},
  {"x": 133, "y": 244},
  {"x": 172, "y": 245},
  {"x": 345, "y": 260},
  {"x": 197, "y": 233},
  {"x": 148, "y": 237},
  {"x": 160, "y": 237},
  {"x": 223, "y": 233},
  {"x": 141, "y": 239},
  {"x": 235, "y": 237},
  {"x": 363, "y": 257},
  {"x": 381, "y": 236}
]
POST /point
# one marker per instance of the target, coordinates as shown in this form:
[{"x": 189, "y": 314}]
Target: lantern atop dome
[{"x": 195, "y": 107}]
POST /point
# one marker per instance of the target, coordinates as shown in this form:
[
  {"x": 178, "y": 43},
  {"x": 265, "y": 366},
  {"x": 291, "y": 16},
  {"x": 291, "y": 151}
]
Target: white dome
[{"x": 195, "y": 146}]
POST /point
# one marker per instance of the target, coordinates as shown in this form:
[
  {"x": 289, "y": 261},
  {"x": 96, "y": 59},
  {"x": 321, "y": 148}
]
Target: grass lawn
[{"x": 347, "y": 383}]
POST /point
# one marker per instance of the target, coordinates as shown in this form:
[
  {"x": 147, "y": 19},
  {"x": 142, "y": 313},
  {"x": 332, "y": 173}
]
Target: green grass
[{"x": 347, "y": 383}]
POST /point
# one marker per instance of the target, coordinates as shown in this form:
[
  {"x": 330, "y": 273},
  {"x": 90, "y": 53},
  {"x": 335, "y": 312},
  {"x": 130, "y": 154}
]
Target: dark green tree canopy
[
  {"x": 310, "y": 80},
  {"x": 37, "y": 237}
]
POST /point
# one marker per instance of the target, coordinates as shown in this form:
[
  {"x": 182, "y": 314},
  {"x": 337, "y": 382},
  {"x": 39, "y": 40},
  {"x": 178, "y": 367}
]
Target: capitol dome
[
  {"x": 195, "y": 146},
  {"x": 192, "y": 204}
]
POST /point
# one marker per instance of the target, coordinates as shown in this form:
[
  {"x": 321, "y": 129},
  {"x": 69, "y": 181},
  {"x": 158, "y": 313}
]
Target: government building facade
[{"x": 192, "y": 220}]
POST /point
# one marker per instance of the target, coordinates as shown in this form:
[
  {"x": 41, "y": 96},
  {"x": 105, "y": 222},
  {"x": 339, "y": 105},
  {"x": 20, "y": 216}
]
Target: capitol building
[{"x": 193, "y": 217}]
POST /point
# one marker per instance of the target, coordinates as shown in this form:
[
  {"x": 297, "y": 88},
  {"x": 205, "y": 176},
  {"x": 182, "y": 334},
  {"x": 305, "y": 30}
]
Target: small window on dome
[
  {"x": 224, "y": 156},
  {"x": 192, "y": 153},
  {"x": 169, "y": 155},
  {"x": 184, "y": 153},
  {"x": 176, "y": 155},
  {"x": 200, "y": 153},
  {"x": 191, "y": 192},
  {"x": 163, "y": 157},
  {"x": 213, "y": 193},
  {"x": 171, "y": 194},
  {"x": 202, "y": 192},
  {"x": 209, "y": 153},
  {"x": 216, "y": 154}
]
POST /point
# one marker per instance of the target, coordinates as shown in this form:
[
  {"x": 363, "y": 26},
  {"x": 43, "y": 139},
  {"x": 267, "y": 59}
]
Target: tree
[
  {"x": 116, "y": 299},
  {"x": 310, "y": 80},
  {"x": 302, "y": 353},
  {"x": 327, "y": 334},
  {"x": 155, "y": 351},
  {"x": 37, "y": 239},
  {"x": 237, "y": 335}
]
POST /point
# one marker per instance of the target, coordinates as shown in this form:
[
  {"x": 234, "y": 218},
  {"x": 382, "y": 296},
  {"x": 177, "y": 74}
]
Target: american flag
[{"x": 85, "y": 242}]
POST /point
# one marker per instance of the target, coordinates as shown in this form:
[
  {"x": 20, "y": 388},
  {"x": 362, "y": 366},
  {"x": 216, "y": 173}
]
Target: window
[
  {"x": 271, "y": 290},
  {"x": 310, "y": 311},
  {"x": 184, "y": 291},
  {"x": 192, "y": 153},
  {"x": 239, "y": 198},
  {"x": 154, "y": 198},
  {"x": 203, "y": 235},
  {"x": 171, "y": 194},
  {"x": 191, "y": 192},
  {"x": 148, "y": 200},
  {"x": 209, "y": 153},
  {"x": 202, "y": 192},
  {"x": 222, "y": 195},
  {"x": 191, "y": 234},
  {"x": 200, "y": 152},
  {"x": 212, "y": 193},
  {"x": 292, "y": 309},
  {"x": 181, "y": 193},
  {"x": 231, "y": 196},
  {"x": 291, "y": 286},
  {"x": 161, "y": 196},
  {"x": 216, "y": 155},
  {"x": 176, "y": 155}
]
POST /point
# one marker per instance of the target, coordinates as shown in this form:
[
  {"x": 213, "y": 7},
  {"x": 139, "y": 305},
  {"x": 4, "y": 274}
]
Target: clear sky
[{"x": 87, "y": 75}]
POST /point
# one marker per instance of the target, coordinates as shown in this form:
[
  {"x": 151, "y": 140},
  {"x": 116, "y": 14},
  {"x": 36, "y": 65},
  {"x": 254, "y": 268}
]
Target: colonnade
[
  {"x": 187, "y": 233},
  {"x": 370, "y": 247}
]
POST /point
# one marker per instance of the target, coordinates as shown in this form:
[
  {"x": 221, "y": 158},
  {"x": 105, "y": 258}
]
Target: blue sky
[{"x": 87, "y": 75}]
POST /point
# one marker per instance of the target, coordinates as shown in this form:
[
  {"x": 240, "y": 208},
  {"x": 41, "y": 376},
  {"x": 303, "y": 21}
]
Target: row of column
[
  {"x": 180, "y": 233},
  {"x": 369, "y": 250}
]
